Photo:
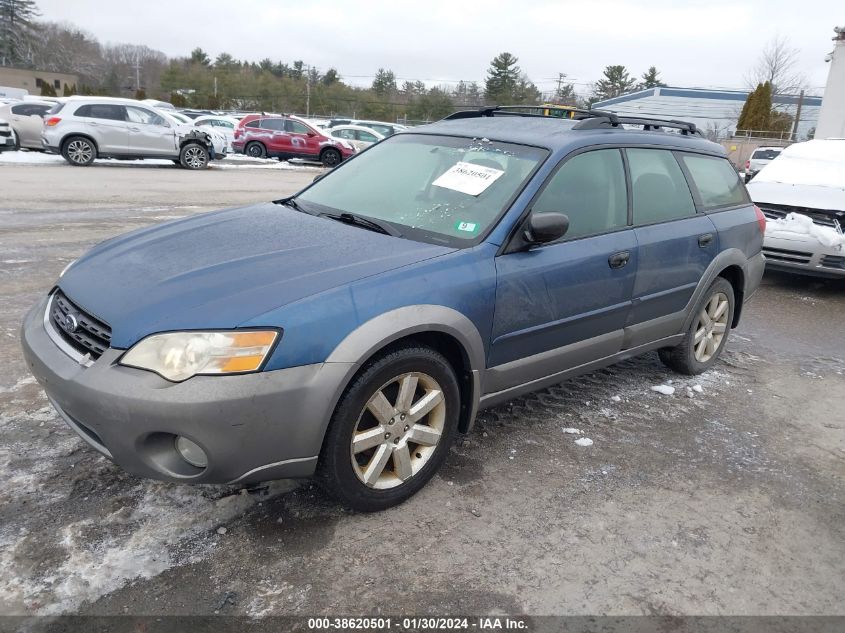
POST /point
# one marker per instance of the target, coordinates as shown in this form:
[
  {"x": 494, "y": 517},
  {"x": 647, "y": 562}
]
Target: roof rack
[{"x": 587, "y": 119}]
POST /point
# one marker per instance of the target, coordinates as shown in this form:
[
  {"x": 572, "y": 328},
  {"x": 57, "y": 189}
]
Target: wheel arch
[
  {"x": 729, "y": 264},
  {"x": 736, "y": 277},
  {"x": 443, "y": 329}
]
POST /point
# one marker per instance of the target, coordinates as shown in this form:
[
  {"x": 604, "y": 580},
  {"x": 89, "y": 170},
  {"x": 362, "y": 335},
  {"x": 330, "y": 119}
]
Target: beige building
[{"x": 32, "y": 80}]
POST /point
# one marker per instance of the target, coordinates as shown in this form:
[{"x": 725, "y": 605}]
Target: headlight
[{"x": 179, "y": 355}]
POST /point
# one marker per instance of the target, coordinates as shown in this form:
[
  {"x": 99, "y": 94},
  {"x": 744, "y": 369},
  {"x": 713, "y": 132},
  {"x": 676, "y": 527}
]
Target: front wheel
[
  {"x": 331, "y": 157},
  {"x": 706, "y": 337},
  {"x": 391, "y": 430},
  {"x": 193, "y": 156}
]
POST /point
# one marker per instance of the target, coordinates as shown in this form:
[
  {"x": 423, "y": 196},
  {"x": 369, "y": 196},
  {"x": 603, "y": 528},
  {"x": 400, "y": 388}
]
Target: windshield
[
  {"x": 433, "y": 188},
  {"x": 766, "y": 154}
]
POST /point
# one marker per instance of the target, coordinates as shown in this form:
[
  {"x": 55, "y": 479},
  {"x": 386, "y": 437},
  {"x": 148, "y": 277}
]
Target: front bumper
[
  {"x": 252, "y": 427},
  {"x": 800, "y": 253},
  {"x": 7, "y": 143}
]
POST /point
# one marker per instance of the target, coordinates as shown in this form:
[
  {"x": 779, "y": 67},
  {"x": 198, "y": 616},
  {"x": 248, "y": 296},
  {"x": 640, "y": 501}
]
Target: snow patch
[
  {"x": 584, "y": 441},
  {"x": 666, "y": 390},
  {"x": 801, "y": 224},
  {"x": 572, "y": 431}
]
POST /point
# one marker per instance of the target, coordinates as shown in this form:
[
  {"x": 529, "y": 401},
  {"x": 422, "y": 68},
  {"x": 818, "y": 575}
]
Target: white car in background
[
  {"x": 25, "y": 119},
  {"x": 220, "y": 124},
  {"x": 802, "y": 195},
  {"x": 359, "y": 136},
  {"x": 760, "y": 157}
]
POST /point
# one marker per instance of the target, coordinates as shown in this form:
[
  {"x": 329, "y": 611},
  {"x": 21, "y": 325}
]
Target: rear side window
[
  {"x": 660, "y": 190},
  {"x": 102, "y": 111},
  {"x": 717, "y": 182},
  {"x": 273, "y": 124},
  {"x": 590, "y": 189},
  {"x": 255, "y": 123}
]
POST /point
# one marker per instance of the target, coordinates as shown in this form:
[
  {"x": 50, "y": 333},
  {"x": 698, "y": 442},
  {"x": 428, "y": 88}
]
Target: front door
[
  {"x": 149, "y": 133},
  {"x": 304, "y": 140},
  {"x": 564, "y": 304}
]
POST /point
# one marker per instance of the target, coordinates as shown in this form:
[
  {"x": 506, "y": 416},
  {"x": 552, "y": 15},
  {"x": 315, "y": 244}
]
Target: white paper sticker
[{"x": 468, "y": 178}]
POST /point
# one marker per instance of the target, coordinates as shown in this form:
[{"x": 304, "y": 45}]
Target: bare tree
[{"x": 777, "y": 64}]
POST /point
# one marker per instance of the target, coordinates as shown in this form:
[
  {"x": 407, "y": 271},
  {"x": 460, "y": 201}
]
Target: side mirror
[{"x": 543, "y": 228}]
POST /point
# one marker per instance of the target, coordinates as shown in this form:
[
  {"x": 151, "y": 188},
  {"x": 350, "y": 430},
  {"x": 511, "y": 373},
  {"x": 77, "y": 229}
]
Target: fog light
[{"x": 191, "y": 452}]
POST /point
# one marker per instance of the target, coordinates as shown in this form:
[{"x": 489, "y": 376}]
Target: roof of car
[
  {"x": 557, "y": 134},
  {"x": 360, "y": 128}
]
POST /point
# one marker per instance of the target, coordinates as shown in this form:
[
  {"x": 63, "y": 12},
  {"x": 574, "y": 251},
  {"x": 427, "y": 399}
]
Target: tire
[
  {"x": 194, "y": 156},
  {"x": 17, "y": 141},
  {"x": 331, "y": 157},
  {"x": 388, "y": 435},
  {"x": 79, "y": 151},
  {"x": 255, "y": 150},
  {"x": 693, "y": 357}
]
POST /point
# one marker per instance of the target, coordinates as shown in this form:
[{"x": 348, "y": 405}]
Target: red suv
[{"x": 261, "y": 135}]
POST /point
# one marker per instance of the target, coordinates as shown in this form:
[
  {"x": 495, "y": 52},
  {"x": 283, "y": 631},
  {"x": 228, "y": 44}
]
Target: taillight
[
  {"x": 238, "y": 132},
  {"x": 748, "y": 164},
  {"x": 761, "y": 219},
  {"x": 52, "y": 121}
]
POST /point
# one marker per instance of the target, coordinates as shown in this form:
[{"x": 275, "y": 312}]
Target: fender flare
[{"x": 725, "y": 259}]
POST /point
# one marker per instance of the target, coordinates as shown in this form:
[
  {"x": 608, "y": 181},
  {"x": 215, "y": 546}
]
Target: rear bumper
[{"x": 252, "y": 427}]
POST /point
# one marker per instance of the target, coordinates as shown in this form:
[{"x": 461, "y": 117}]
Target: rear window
[
  {"x": 717, "y": 182},
  {"x": 765, "y": 154}
]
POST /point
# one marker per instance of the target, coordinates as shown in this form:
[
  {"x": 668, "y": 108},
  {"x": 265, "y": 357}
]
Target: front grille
[
  {"x": 784, "y": 255},
  {"x": 89, "y": 336},
  {"x": 822, "y": 218},
  {"x": 833, "y": 261}
]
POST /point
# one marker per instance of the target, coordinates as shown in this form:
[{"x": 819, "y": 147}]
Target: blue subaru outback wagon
[{"x": 352, "y": 330}]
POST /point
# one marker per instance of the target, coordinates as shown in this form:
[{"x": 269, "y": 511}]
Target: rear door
[
  {"x": 566, "y": 303},
  {"x": 676, "y": 243},
  {"x": 275, "y": 138},
  {"x": 149, "y": 133},
  {"x": 106, "y": 124}
]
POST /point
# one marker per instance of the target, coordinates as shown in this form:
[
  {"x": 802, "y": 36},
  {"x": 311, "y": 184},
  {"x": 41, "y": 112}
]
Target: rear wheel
[
  {"x": 193, "y": 156},
  {"x": 330, "y": 157},
  {"x": 255, "y": 150},
  {"x": 79, "y": 151},
  {"x": 707, "y": 334},
  {"x": 391, "y": 430}
]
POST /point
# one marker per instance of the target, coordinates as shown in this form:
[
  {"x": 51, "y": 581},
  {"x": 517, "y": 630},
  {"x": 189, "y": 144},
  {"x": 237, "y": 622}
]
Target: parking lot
[{"x": 724, "y": 497}]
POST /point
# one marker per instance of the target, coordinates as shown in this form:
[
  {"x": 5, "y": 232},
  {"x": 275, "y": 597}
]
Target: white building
[
  {"x": 832, "y": 115},
  {"x": 716, "y": 110}
]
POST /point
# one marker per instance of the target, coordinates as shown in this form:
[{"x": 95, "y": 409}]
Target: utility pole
[
  {"x": 797, "y": 116},
  {"x": 308, "y": 91},
  {"x": 137, "y": 73}
]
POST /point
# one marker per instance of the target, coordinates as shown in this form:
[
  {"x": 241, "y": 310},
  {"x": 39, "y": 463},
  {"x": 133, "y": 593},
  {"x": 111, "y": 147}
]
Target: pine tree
[
  {"x": 747, "y": 107},
  {"x": 651, "y": 79},
  {"x": 615, "y": 82},
  {"x": 17, "y": 31},
  {"x": 503, "y": 79},
  {"x": 199, "y": 56},
  {"x": 384, "y": 83}
]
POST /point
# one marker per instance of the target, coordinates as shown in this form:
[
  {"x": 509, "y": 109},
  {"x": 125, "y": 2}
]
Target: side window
[
  {"x": 255, "y": 123},
  {"x": 660, "y": 190},
  {"x": 590, "y": 188},
  {"x": 344, "y": 134},
  {"x": 717, "y": 182},
  {"x": 296, "y": 127},
  {"x": 142, "y": 116},
  {"x": 23, "y": 109},
  {"x": 102, "y": 111},
  {"x": 366, "y": 136},
  {"x": 273, "y": 124},
  {"x": 40, "y": 110},
  {"x": 222, "y": 123}
]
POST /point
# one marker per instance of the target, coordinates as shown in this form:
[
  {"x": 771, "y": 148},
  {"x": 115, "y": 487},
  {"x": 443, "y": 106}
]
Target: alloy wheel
[
  {"x": 398, "y": 431},
  {"x": 711, "y": 327},
  {"x": 80, "y": 151},
  {"x": 195, "y": 157}
]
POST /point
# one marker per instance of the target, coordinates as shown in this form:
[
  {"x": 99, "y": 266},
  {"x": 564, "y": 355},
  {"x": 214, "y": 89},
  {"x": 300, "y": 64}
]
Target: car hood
[
  {"x": 797, "y": 195},
  {"x": 218, "y": 270}
]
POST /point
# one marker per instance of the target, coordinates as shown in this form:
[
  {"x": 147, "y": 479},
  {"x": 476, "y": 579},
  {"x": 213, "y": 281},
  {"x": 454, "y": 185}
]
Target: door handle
[
  {"x": 618, "y": 260},
  {"x": 705, "y": 240},
  {"x": 135, "y": 129}
]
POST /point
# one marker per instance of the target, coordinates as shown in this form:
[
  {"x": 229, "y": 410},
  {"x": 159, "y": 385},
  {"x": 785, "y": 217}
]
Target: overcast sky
[{"x": 708, "y": 43}]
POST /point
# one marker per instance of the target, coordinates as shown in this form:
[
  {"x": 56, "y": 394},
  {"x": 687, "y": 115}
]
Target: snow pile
[
  {"x": 666, "y": 390},
  {"x": 584, "y": 441},
  {"x": 803, "y": 225},
  {"x": 572, "y": 431}
]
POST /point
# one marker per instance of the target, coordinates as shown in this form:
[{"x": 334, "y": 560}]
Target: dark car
[
  {"x": 353, "y": 329},
  {"x": 284, "y": 137}
]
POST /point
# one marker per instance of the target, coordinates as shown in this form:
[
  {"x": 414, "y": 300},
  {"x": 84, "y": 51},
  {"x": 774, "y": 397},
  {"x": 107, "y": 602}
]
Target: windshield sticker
[
  {"x": 468, "y": 178},
  {"x": 467, "y": 227}
]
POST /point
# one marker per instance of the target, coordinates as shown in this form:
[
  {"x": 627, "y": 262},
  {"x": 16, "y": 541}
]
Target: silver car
[
  {"x": 84, "y": 128},
  {"x": 25, "y": 119}
]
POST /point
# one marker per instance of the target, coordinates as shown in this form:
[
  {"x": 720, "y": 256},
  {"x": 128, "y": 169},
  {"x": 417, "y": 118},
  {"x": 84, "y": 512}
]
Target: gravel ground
[{"x": 725, "y": 497}]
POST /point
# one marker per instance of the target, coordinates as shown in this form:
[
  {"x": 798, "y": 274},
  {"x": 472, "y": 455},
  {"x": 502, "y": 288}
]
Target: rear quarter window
[{"x": 717, "y": 182}]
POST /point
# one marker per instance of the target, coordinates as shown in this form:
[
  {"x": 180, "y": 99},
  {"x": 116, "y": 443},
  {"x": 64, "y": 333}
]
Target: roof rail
[
  {"x": 598, "y": 120},
  {"x": 587, "y": 119}
]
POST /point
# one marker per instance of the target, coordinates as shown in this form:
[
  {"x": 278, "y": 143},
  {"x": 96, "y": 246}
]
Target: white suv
[{"x": 84, "y": 128}]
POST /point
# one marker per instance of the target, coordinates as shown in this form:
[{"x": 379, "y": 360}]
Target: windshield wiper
[
  {"x": 293, "y": 204},
  {"x": 364, "y": 223}
]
